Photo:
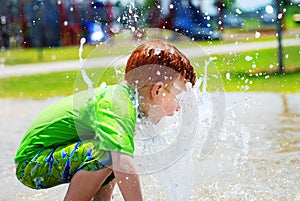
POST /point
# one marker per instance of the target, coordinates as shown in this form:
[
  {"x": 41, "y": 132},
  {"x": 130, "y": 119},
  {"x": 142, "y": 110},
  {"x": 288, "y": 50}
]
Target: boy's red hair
[{"x": 158, "y": 52}]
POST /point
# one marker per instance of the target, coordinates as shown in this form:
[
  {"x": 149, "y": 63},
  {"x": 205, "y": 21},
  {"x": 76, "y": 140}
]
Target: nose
[{"x": 177, "y": 108}]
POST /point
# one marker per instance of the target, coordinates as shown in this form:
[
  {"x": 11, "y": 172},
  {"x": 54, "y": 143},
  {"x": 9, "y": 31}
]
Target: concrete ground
[{"x": 270, "y": 122}]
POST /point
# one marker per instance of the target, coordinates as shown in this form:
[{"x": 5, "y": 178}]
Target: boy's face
[{"x": 165, "y": 102}]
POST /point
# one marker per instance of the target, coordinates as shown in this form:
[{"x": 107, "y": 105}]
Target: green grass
[
  {"x": 290, "y": 23},
  {"x": 257, "y": 71},
  {"x": 253, "y": 71},
  {"x": 54, "y": 54},
  {"x": 38, "y": 86},
  {"x": 52, "y": 84},
  {"x": 277, "y": 83},
  {"x": 252, "y": 62}
]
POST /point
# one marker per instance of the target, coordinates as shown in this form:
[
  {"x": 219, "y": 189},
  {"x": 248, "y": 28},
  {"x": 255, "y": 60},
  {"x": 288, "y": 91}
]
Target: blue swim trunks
[{"x": 52, "y": 167}]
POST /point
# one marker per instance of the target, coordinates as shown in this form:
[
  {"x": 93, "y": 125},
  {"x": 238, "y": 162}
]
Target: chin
[
  {"x": 156, "y": 119},
  {"x": 171, "y": 114}
]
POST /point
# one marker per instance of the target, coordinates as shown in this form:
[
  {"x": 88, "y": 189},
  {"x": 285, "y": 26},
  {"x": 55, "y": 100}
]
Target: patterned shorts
[{"x": 51, "y": 167}]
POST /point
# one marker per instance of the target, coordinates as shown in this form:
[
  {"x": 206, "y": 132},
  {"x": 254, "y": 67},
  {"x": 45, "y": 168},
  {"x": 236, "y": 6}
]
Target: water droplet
[
  {"x": 103, "y": 85},
  {"x": 238, "y": 11},
  {"x": 257, "y": 34},
  {"x": 248, "y": 58},
  {"x": 82, "y": 41},
  {"x": 228, "y": 76},
  {"x": 157, "y": 51}
]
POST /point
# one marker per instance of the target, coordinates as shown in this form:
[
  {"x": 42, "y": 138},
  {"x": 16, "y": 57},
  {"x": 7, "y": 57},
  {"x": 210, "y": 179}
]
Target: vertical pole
[
  {"x": 23, "y": 23},
  {"x": 220, "y": 7},
  {"x": 63, "y": 18},
  {"x": 279, "y": 35}
]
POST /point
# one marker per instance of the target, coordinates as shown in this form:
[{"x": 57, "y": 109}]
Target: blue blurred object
[
  {"x": 267, "y": 14},
  {"x": 95, "y": 32},
  {"x": 232, "y": 21},
  {"x": 189, "y": 21},
  {"x": 98, "y": 3}
]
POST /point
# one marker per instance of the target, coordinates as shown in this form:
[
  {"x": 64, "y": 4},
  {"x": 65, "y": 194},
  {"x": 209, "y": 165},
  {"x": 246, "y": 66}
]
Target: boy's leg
[
  {"x": 52, "y": 167},
  {"x": 85, "y": 184},
  {"x": 105, "y": 192}
]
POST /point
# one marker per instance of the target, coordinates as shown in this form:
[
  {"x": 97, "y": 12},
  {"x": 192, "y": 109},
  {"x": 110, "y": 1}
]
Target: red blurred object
[{"x": 70, "y": 34}]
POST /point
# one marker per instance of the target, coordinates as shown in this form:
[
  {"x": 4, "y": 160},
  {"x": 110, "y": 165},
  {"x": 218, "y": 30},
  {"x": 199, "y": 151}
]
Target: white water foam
[{"x": 85, "y": 77}]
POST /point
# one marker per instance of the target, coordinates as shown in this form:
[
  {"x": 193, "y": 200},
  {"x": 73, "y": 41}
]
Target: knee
[{"x": 78, "y": 176}]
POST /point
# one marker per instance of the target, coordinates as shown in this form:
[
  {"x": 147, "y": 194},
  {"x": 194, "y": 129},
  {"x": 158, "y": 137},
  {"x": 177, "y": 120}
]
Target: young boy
[{"x": 91, "y": 145}]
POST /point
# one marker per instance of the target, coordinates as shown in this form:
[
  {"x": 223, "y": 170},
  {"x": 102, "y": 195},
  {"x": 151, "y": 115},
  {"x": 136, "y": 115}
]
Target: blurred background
[
  {"x": 255, "y": 43},
  {"x": 47, "y": 23}
]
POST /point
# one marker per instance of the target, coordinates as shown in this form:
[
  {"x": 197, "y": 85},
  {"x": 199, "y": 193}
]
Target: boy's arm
[{"x": 126, "y": 176}]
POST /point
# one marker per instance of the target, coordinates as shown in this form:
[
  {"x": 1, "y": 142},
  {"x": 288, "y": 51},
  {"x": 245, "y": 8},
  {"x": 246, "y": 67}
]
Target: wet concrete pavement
[{"x": 273, "y": 122}]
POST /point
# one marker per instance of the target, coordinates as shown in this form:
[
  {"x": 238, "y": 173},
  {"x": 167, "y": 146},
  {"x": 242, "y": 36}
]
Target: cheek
[{"x": 171, "y": 105}]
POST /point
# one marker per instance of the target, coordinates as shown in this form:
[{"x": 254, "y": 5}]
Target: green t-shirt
[{"x": 109, "y": 117}]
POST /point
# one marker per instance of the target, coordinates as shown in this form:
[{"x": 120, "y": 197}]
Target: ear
[{"x": 155, "y": 90}]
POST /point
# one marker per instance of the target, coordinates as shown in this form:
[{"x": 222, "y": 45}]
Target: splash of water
[
  {"x": 133, "y": 17},
  {"x": 85, "y": 77},
  {"x": 177, "y": 180}
]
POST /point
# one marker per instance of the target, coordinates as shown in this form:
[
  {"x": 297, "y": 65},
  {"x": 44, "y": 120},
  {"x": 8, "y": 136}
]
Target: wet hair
[{"x": 156, "y": 60}]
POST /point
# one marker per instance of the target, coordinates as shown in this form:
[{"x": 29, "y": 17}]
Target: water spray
[{"x": 85, "y": 77}]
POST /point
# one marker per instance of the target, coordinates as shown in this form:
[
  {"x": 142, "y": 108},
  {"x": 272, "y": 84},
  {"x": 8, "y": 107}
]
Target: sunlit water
[{"x": 257, "y": 158}]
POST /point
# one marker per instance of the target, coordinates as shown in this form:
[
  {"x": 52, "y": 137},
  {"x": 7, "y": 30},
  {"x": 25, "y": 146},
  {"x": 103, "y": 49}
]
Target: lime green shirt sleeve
[{"x": 115, "y": 120}]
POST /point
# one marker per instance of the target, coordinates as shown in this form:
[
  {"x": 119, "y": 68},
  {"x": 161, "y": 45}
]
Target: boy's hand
[{"x": 126, "y": 176}]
